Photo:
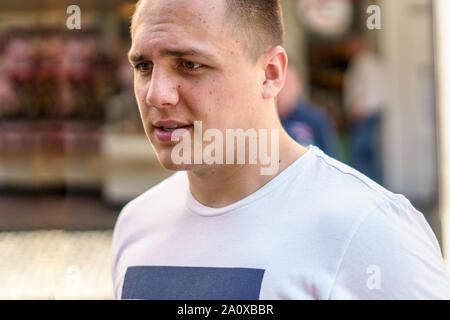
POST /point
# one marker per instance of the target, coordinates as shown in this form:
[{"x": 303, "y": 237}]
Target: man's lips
[
  {"x": 164, "y": 129},
  {"x": 170, "y": 124}
]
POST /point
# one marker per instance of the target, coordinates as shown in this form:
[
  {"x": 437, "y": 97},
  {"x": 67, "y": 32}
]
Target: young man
[{"x": 311, "y": 229}]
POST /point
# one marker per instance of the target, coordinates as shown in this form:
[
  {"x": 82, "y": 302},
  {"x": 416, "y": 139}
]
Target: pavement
[
  {"x": 55, "y": 264},
  {"x": 55, "y": 246}
]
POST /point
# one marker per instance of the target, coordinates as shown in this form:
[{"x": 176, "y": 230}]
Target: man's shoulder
[
  {"x": 140, "y": 214},
  {"x": 343, "y": 195},
  {"x": 327, "y": 174},
  {"x": 377, "y": 227},
  {"x": 157, "y": 197}
]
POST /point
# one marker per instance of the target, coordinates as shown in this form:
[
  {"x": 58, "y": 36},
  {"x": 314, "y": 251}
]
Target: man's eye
[
  {"x": 144, "y": 66},
  {"x": 191, "y": 66}
]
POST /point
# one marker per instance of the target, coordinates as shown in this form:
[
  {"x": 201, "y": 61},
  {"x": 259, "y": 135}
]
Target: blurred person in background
[
  {"x": 50, "y": 76},
  {"x": 8, "y": 99},
  {"x": 364, "y": 99},
  {"x": 304, "y": 121},
  {"x": 19, "y": 76}
]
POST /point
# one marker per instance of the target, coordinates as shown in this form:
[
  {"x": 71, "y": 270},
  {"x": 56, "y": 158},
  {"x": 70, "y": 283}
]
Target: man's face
[{"x": 189, "y": 67}]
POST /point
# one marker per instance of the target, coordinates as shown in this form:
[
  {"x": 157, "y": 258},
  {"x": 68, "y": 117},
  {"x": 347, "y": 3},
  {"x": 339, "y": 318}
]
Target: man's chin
[
  {"x": 169, "y": 165},
  {"x": 166, "y": 161}
]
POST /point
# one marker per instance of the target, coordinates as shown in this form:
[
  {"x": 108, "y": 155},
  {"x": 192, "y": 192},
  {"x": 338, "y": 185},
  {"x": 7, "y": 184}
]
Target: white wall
[
  {"x": 295, "y": 38},
  {"x": 442, "y": 66},
  {"x": 409, "y": 131}
]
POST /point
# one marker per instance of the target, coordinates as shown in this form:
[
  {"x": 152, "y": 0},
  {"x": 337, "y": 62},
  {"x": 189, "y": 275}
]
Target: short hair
[{"x": 258, "y": 24}]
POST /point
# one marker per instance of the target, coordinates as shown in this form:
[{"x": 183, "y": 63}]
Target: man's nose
[{"x": 162, "y": 91}]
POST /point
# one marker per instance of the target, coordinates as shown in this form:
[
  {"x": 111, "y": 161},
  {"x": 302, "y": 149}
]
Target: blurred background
[{"x": 73, "y": 150}]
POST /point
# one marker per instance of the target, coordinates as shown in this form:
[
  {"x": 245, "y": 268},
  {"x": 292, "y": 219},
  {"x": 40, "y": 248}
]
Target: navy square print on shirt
[{"x": 191, "y": 283}]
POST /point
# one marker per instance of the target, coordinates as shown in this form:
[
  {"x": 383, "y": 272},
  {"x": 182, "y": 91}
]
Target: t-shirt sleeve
[{"x": 393, "y": 254}]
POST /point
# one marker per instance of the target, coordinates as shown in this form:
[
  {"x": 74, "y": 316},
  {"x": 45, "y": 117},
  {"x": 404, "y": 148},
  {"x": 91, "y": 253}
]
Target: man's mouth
[
  {"x": 173, "y": 128},
  {"x": 166, "y": 129}
]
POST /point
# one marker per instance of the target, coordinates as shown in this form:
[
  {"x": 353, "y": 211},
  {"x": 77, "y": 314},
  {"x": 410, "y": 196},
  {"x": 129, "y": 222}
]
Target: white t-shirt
[{"x": 318, "y": 230}]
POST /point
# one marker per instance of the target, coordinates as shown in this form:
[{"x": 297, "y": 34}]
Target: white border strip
[{"x": 441, "y": 12}]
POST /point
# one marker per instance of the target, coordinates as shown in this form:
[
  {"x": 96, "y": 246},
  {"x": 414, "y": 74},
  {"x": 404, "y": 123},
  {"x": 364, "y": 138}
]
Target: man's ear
[{"x": 275, "y": 65}]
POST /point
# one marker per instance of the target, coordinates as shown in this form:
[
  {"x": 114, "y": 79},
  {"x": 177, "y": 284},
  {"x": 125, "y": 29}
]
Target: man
[
  {"x": 314, "y": 229},
  {"x": 304, "y": 121}
]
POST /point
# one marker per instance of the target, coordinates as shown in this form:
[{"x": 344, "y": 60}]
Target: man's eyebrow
[
  {"x": 135, "y": 57},
  {"x": 186, "y": 52}
]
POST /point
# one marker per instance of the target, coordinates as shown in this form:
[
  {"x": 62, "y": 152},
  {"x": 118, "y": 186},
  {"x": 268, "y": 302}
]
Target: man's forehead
[
  {"x": 173, "y": 31},
  {"x": 187, "y": 12}
]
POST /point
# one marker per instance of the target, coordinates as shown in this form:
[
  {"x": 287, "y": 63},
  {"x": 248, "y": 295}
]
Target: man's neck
[{"x": 223, "y": 185}]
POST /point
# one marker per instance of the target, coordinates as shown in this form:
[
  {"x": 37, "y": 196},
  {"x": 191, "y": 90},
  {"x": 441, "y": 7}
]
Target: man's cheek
[{"x": 140, "y": 94}]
